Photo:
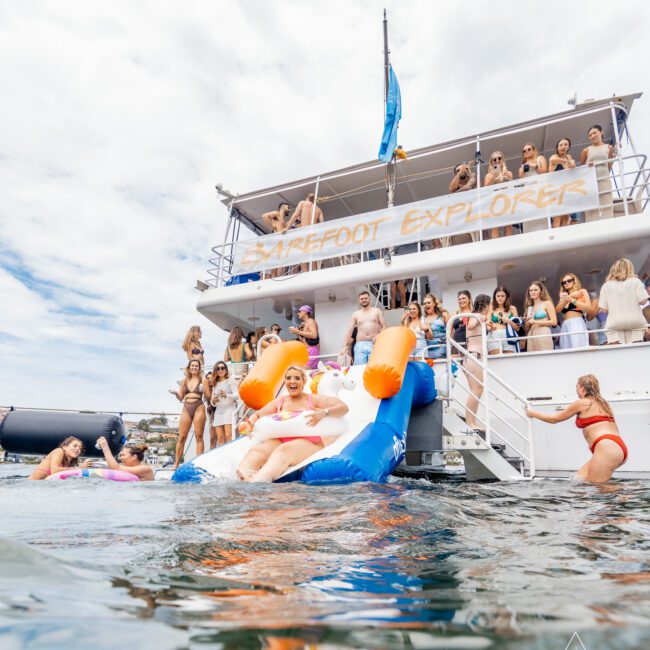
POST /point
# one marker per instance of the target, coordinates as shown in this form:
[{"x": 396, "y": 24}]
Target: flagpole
[
  {"x": 386, "y": 58},
  {"x": 390, "y": 166}
]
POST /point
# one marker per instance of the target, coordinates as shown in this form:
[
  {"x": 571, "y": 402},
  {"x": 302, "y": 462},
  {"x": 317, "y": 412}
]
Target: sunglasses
[
  {"x": 567, "y": 281},
  {"x": 497, "y": 159},
  {"x": 220, "y": 368},
  {"x": 527, "y": 150}
]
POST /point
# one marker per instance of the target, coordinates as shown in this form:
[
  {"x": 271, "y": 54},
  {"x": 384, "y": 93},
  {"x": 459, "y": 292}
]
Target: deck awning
[{"x": 428, "y": 171}]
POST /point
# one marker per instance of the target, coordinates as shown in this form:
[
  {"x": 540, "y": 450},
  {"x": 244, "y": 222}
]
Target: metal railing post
[
  {"x": 477, "y": 158},
  {"x": 621, "y": 171},
  {"x": 486, "y": 388},
  {"x": 313, "y": 212},
  {"x": 644, "y": 171}
]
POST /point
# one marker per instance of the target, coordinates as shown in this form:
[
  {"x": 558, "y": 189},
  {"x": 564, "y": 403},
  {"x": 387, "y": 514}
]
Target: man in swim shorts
[
  {"x": 369, "y": 321},
  {"x": 307, "y": 213},
  {"x": 276, "y": 220}
]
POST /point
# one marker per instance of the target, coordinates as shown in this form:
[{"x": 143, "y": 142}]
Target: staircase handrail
[{"x": 489, "y": 374}]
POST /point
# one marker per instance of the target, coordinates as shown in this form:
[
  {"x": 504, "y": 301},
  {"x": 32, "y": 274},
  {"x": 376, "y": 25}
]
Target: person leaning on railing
[
  {"x": 560, "y": 160},
  {"x": 504, "y": 320},
  {"x": 539, "y": 317},
  {"x": 498, "y": 172},
  {"x": 574, "y": 305},
  {"x": 532, "y": 164},
  {"x": 598, "y": 154},
  {"x": 622, "y": 297}
]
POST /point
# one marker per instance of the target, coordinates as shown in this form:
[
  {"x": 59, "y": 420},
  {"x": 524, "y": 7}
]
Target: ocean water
[{"x": 407, "y": 564}]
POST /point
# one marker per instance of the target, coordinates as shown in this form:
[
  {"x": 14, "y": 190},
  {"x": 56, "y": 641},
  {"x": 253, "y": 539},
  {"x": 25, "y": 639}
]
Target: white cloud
[{"x": 119, "y": 118}]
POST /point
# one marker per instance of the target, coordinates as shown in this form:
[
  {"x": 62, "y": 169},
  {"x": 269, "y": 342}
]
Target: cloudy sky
[{"x": 118, "y": 118}]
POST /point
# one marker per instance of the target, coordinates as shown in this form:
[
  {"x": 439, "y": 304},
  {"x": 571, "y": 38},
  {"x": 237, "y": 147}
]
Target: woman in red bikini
[
  {"x": 269, "y": 460},
  {"x": 594, "y": 416}
]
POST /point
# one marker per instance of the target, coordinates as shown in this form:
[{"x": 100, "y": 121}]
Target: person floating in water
[
  {"x": 270, "y": 459},
  {"x": 594, "y": 416},
  {"x": 131, "y": 457},
  {"x": 65, "y": 456}
]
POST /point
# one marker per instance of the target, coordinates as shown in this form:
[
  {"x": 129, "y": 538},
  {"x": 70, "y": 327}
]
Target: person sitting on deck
[
  {"x": 270, "y": 459},
  {"x": 65, "y": 456},
  {"x": 131, "y": 457}
]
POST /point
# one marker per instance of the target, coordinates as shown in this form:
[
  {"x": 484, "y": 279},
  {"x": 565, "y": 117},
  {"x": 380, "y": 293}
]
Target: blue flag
[{"x": 393, "y": 116}]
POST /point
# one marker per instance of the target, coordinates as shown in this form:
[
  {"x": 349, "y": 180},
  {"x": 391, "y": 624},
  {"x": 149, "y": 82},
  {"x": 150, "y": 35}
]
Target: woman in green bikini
[{"x": 236, "y": 353}]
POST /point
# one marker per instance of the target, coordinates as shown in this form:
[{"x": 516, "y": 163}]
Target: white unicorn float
[{"x": 293, "y": 424}]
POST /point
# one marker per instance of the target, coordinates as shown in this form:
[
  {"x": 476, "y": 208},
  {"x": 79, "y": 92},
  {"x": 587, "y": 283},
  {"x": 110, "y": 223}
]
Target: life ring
[
  {"x": 106, "y": 474},
  {"x": 293, "y": 424}
]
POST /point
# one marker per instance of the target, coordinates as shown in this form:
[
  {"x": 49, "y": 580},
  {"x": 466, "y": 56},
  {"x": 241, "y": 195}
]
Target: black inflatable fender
[{"x": 39, "y": 432}]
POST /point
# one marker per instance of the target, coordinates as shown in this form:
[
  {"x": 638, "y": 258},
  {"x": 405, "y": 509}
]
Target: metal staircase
[{"x": 503, "y": 447}]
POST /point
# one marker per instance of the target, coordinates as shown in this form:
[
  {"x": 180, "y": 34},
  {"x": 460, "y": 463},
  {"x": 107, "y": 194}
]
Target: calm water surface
[{"x": 408, "y": 564}]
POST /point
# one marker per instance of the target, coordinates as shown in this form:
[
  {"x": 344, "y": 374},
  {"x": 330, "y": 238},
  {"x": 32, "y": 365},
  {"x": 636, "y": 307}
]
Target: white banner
[{"x": 535, "y": 197}]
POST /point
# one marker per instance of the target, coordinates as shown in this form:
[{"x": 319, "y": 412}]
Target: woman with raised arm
[
  {"x": 65, "y": 456},
  {"x": 474, "y": 361},
  {"x": 539, "y": 317},
  {"x": 270, "y": 459},
  {"x": 501, "y": 315},
  {"x": 236, "y": 353},
  {"x": 597, "y": 155},
  {"x": 413, "y": 319},
  {"x": 560, "y": 160},
  {"x": 192, "y": 344},
  {"x": 191, "y": 391},
  {"x": 594, "y": 416},
  {"x": 435, "y": 318},
  {"x": 131, "y": 459},
  {"x": 225, "y": 392},
  {"x": 498, "y": 172},
  {"x": 574, "y": 304}
]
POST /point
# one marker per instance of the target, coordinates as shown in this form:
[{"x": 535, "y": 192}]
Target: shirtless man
[
  {"x": 305, "y": 211},
  {"x": 463, "y": 179},
  {"x": 369, "y": 321},
  {"x": 275, "y": 220}
]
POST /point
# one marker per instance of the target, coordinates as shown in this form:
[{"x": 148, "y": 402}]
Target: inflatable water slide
[{"x": 371, "y": 441}]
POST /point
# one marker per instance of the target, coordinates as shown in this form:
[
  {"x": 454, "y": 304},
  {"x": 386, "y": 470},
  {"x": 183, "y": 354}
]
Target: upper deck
[{"x": 352, "y": 197}]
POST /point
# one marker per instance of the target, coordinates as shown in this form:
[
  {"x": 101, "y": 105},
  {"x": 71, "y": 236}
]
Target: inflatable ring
[
  {"x": 106, "y": 474},
  {"x": 293, "y": 424}
]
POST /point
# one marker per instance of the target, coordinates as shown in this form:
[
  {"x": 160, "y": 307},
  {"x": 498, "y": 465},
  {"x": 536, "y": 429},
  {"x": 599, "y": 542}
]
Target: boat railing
[
  {"x": 519, "y": 436},
  {"x": 629, "y": 194}
]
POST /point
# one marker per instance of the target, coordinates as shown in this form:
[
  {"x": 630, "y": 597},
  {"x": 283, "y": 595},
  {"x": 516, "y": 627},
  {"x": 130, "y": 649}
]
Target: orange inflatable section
[
  {"x": 384, "y": 373},
  {"x": 263, "y": 382}
]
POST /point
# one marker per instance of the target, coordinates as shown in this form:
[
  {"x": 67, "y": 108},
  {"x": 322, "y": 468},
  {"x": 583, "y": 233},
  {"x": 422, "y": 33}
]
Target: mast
[{"x": 390, "y": 167}]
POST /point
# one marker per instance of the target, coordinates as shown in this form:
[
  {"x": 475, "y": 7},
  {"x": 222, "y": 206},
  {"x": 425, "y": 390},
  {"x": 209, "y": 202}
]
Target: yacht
[{"x": 398, "y": 222}]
